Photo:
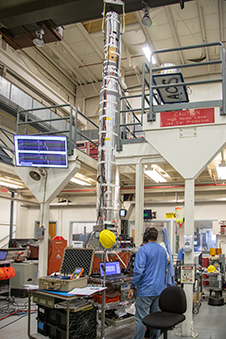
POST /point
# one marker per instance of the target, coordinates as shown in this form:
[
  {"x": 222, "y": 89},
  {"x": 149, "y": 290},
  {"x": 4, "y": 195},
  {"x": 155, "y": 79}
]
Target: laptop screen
[
  {"x": 112, "y": 268},
  {"x": 3, "y": 255}
]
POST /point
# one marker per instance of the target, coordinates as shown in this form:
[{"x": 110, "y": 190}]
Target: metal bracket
[
  {"x": 222, "y": 112},
  {"x": 119, "y": 146},
  {"x": 188, "y": 132},
  {"x": 151, "y": 116}
]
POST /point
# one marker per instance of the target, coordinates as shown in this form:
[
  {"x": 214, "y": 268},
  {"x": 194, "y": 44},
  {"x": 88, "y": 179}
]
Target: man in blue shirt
[{"x": 149, "y": 279}]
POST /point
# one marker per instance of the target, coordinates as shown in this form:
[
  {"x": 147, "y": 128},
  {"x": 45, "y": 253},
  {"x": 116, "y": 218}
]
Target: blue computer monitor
[
  {"x": 112, "y": 268},
  {"x": 41, "y": 151},
  {"x": 3, "y": 255}
]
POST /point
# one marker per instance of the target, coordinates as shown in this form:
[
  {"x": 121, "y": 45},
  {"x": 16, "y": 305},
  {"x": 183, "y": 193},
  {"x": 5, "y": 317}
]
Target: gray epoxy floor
[{"x": 209, "y": 323}]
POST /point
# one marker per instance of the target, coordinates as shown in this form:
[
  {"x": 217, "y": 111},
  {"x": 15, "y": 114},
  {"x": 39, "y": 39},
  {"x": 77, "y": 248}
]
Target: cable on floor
[
  {"x": 9, "y": 306},
  {"x": 20, "y": 317}
]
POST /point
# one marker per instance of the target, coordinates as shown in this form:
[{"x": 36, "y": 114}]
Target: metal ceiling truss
[
  {"x": 53, "y": 64},
  {"x": 64, "y": 12},
  {"x": 19, "y": 20},
  {"x": 203, "y": 30},
  {"x": 79, "y": 61},
  {"x": 175, "y": 34},
  {"x": 220, "y": 15}
]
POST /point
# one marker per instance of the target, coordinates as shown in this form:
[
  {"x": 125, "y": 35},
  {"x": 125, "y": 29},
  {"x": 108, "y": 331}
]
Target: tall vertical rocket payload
[{"x": 108, "y": 175}]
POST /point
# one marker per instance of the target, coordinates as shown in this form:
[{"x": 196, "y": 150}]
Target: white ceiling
[{"x": 80, "y": 53}]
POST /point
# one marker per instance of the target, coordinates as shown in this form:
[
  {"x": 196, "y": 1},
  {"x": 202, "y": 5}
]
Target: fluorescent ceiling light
[
  {"x": 154, "y": 175},
  {"x": 147, "y": 53},
  {"x": 10, "y": 185},
  {"x": 79, "y": 182},
  {"x": 221, "y": 170},
  {"x": 84, "y": 178}
]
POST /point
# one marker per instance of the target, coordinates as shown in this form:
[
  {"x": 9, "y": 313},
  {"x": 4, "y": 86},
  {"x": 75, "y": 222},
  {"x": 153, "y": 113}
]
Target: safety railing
[
  {"x": 7, "y": 243},
  {"x": 30, "y": 119},
  {"x": 151, "y": 100},
  {"x": 133, "y": 128},
  {"x": 129, "y": 131},
  {"x": 77, "y": 132},
  {"x": 46, "y": 126},
  {"x": 155, "y": 108},
  {"x": 6, "y": 144}
]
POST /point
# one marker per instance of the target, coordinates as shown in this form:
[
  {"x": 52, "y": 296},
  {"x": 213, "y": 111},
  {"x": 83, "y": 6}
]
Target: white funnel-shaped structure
[
  {"x": 57, "y": 179},
  {"x": 45, "y": 185},
  {"x": 108, "y": 181},
  {"x": 188, "y": 149}
]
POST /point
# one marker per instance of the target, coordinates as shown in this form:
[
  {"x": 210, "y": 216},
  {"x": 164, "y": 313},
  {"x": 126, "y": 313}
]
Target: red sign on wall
[
  {"x": 3, "y": 189},
  {"x": 187, "y": 117}
]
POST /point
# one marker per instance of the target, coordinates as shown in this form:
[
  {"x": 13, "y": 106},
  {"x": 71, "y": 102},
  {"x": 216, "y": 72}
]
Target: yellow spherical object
[
  {"x": 107, "y": 238},
  {"x": 211, "y": 269}
]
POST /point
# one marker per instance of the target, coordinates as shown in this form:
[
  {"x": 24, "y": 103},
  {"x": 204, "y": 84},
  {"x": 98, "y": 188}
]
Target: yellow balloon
[{"x": 107, "y": 238}]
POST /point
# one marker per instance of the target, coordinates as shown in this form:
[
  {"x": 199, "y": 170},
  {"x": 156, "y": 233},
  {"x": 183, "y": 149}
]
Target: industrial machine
[{"x": 108, "y": 174}]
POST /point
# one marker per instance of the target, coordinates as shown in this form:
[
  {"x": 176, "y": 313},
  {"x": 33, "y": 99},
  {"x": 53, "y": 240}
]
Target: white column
[
  {"x": 187, "y": 325},
  {"x": 139, "y": 203},
  {"x": 43, "y": 244}
]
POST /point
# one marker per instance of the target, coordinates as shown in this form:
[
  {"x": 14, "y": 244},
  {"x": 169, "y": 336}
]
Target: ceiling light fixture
[
  {"x": 146, "y": 20},
  {"x": 79, "y": 182},
  {"x": 154, "y": 175},
  {"x": 84, "y": 178},
  {"x": 39, "y": 42},
  {"x": 221, "y": 170},
  {"x": 10, "y": 185},
  {"x": 147, "y": 53}
]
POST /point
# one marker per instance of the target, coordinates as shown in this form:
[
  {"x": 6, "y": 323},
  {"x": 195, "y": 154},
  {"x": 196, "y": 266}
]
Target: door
[{"x": 52, "y": 228}]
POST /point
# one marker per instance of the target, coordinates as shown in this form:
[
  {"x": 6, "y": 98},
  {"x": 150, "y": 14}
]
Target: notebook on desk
[{"x": 113, "y": 270}]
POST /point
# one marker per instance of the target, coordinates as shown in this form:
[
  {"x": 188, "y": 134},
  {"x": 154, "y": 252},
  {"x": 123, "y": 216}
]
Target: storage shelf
[
  {"x": 114, "y": 305},
  {"x": 108, "y": 330}
]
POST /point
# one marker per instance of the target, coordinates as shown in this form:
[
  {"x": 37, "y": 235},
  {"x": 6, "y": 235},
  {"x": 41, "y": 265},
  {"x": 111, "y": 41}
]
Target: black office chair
[{"x": 173, "y": 304}]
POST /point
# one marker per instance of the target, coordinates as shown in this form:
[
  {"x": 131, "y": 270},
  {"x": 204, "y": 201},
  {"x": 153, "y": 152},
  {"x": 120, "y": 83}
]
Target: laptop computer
[
  {"x": 113, "y": 270},
  {"x": 3, "y": 255}
]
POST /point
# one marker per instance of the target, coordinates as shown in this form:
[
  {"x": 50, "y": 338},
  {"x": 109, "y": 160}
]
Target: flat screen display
[
  {"x": 41, "y": 151},
  {"x": 122, "y": 213},
  {"x": 3, "y": 255},
  {"x": 147, "y": 214},
  {"x": 112, "y": 268}
]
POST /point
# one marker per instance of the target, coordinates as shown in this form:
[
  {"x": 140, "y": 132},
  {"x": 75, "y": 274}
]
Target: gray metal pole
[
  {"x": 187, "y": 325},
  {"x": 11, "y": 217}
]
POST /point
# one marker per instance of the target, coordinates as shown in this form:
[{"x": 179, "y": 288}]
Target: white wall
[
  {"x": 5, "y": 219},
  {"x": 63, "y": 216}
]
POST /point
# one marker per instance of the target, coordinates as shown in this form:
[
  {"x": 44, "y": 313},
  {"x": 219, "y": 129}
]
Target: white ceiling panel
[
  {"x": 159, "y": 17},
  {"x": 212, "y": 22},
  {"x": 73, "y": 34},
  {"x": 209, "y": 6},
  {"x": 161, "y": 33},
  {"x": 82, "y": 48},
  {"x": 138, "y": 37}
]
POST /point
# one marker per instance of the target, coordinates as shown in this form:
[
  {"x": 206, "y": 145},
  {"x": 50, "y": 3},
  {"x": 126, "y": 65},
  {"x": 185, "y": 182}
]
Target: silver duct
[{"x": 108, "y": 178}]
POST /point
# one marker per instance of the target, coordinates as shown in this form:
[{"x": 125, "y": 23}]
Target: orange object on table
[
  {"x": 218, "y": 251},
  {"x": 98, "y": 299},
  {"x": 213, "y": 251}
]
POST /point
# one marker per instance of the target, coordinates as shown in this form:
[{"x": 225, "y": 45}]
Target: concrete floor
[{"x": 209, "y": 323}]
